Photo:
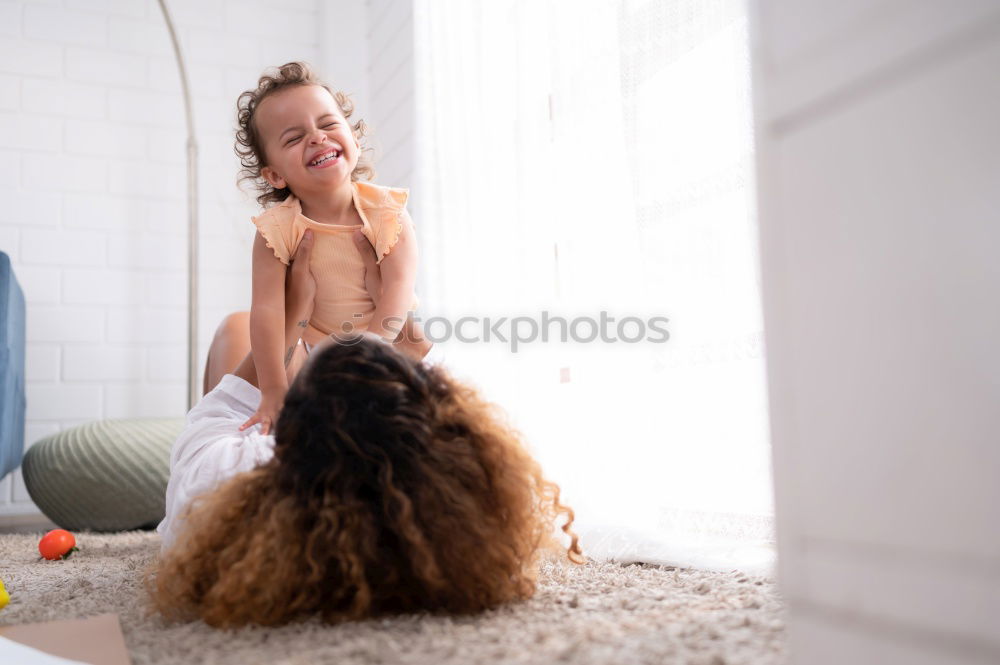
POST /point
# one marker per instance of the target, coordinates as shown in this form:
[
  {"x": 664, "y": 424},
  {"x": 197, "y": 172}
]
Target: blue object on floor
[{"x": 12, "y": 400}]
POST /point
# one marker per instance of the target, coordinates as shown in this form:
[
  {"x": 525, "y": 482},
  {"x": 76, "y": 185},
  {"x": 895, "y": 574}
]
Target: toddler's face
[{"x": 298, "y": 126}]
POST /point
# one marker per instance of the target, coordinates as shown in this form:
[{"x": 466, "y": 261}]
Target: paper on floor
[{"x": 22, "y": 654}]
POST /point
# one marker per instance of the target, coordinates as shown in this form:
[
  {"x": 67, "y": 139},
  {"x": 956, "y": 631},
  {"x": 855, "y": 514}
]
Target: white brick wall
[{"x": 93, "y": 179}]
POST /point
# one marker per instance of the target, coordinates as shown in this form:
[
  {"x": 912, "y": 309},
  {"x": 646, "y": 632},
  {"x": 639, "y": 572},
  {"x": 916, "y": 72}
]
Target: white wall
[
  {"x": 343, "y": 50},
  {"x": 92, "y": 174},
  {"x": 391, "y": 85},
  {"x": 374, "y": 63},
  {"x": 879, "y": 166}
]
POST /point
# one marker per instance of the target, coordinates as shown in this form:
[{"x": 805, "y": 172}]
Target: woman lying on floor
[{"x": 388, "y": 486}]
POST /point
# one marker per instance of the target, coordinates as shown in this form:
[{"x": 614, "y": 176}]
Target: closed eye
[{"x": 290, "y": 142}]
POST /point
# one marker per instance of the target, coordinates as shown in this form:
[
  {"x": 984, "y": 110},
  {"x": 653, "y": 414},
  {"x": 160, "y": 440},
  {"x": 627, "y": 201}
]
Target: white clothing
[{"x": 211, "y": 448}]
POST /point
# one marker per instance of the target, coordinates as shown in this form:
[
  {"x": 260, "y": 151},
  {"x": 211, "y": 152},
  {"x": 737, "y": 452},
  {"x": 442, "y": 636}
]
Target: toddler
[{"x": 296, "y": 144}]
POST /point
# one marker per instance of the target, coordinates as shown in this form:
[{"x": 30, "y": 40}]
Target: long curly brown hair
[
  {"x": 393, "y": 488},
  {"x": 249, "y": 147}
]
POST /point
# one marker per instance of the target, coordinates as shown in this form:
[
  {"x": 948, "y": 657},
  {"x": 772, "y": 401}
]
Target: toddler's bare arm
[
  {"x": 267, "y": 317},
  {"x": 300, "y": 295},
  {"x": 267, "y": 328},
  {"x": 399, "y": 276},
  {"x": 411, "y": 341}
]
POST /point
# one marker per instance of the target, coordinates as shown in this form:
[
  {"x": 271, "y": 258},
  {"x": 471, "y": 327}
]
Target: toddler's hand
[{"x": 267, "y": 412}]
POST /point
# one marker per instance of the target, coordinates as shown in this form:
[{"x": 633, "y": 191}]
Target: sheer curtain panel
[{"x": 589, "y": 159}]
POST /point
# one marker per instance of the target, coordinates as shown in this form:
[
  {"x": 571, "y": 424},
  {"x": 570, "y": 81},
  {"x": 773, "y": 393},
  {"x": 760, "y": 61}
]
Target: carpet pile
[{"x": 600, "y": 613}]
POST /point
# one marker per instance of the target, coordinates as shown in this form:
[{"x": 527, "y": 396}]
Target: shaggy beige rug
[{"x": 602, "y": 612}]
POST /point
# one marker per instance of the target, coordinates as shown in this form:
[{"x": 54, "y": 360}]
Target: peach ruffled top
[{"x": 342, "y": 301}]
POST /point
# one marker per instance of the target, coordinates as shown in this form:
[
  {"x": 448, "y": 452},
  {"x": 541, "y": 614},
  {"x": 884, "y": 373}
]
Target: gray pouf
[{"x": 106, "y": 475}]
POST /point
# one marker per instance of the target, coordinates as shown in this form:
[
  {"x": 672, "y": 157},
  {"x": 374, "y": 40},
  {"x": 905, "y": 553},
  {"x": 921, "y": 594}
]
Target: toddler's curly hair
[
  {"x": 393, "y": 488},
  {"x": 248, "y": 144}
]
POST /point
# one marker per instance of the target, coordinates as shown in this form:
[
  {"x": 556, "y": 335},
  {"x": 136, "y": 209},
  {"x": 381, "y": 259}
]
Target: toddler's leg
[{"x": 230, "y": 346}]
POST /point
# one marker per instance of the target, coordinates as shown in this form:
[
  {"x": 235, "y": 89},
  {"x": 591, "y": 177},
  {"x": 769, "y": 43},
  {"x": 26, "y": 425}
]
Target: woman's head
[
  {"x": 393, "y": 488},
  {"x": 288, "y": 120}
]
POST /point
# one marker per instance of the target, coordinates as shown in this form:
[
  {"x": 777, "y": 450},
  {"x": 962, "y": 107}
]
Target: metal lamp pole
[{"x": 192, "y": 204}]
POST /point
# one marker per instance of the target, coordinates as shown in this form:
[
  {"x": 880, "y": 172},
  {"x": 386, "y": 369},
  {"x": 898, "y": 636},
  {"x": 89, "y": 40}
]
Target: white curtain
[{"x": 579, "y": 157}]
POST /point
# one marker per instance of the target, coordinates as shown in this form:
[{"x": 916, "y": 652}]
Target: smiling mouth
[{"x": 329, "y": 157}]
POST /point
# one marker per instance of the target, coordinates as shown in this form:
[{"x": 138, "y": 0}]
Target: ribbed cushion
[{"x": 106, "y": 475}]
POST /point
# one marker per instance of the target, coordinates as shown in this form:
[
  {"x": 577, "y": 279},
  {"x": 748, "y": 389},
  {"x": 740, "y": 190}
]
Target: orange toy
[{"x": 57, "y": 544}]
